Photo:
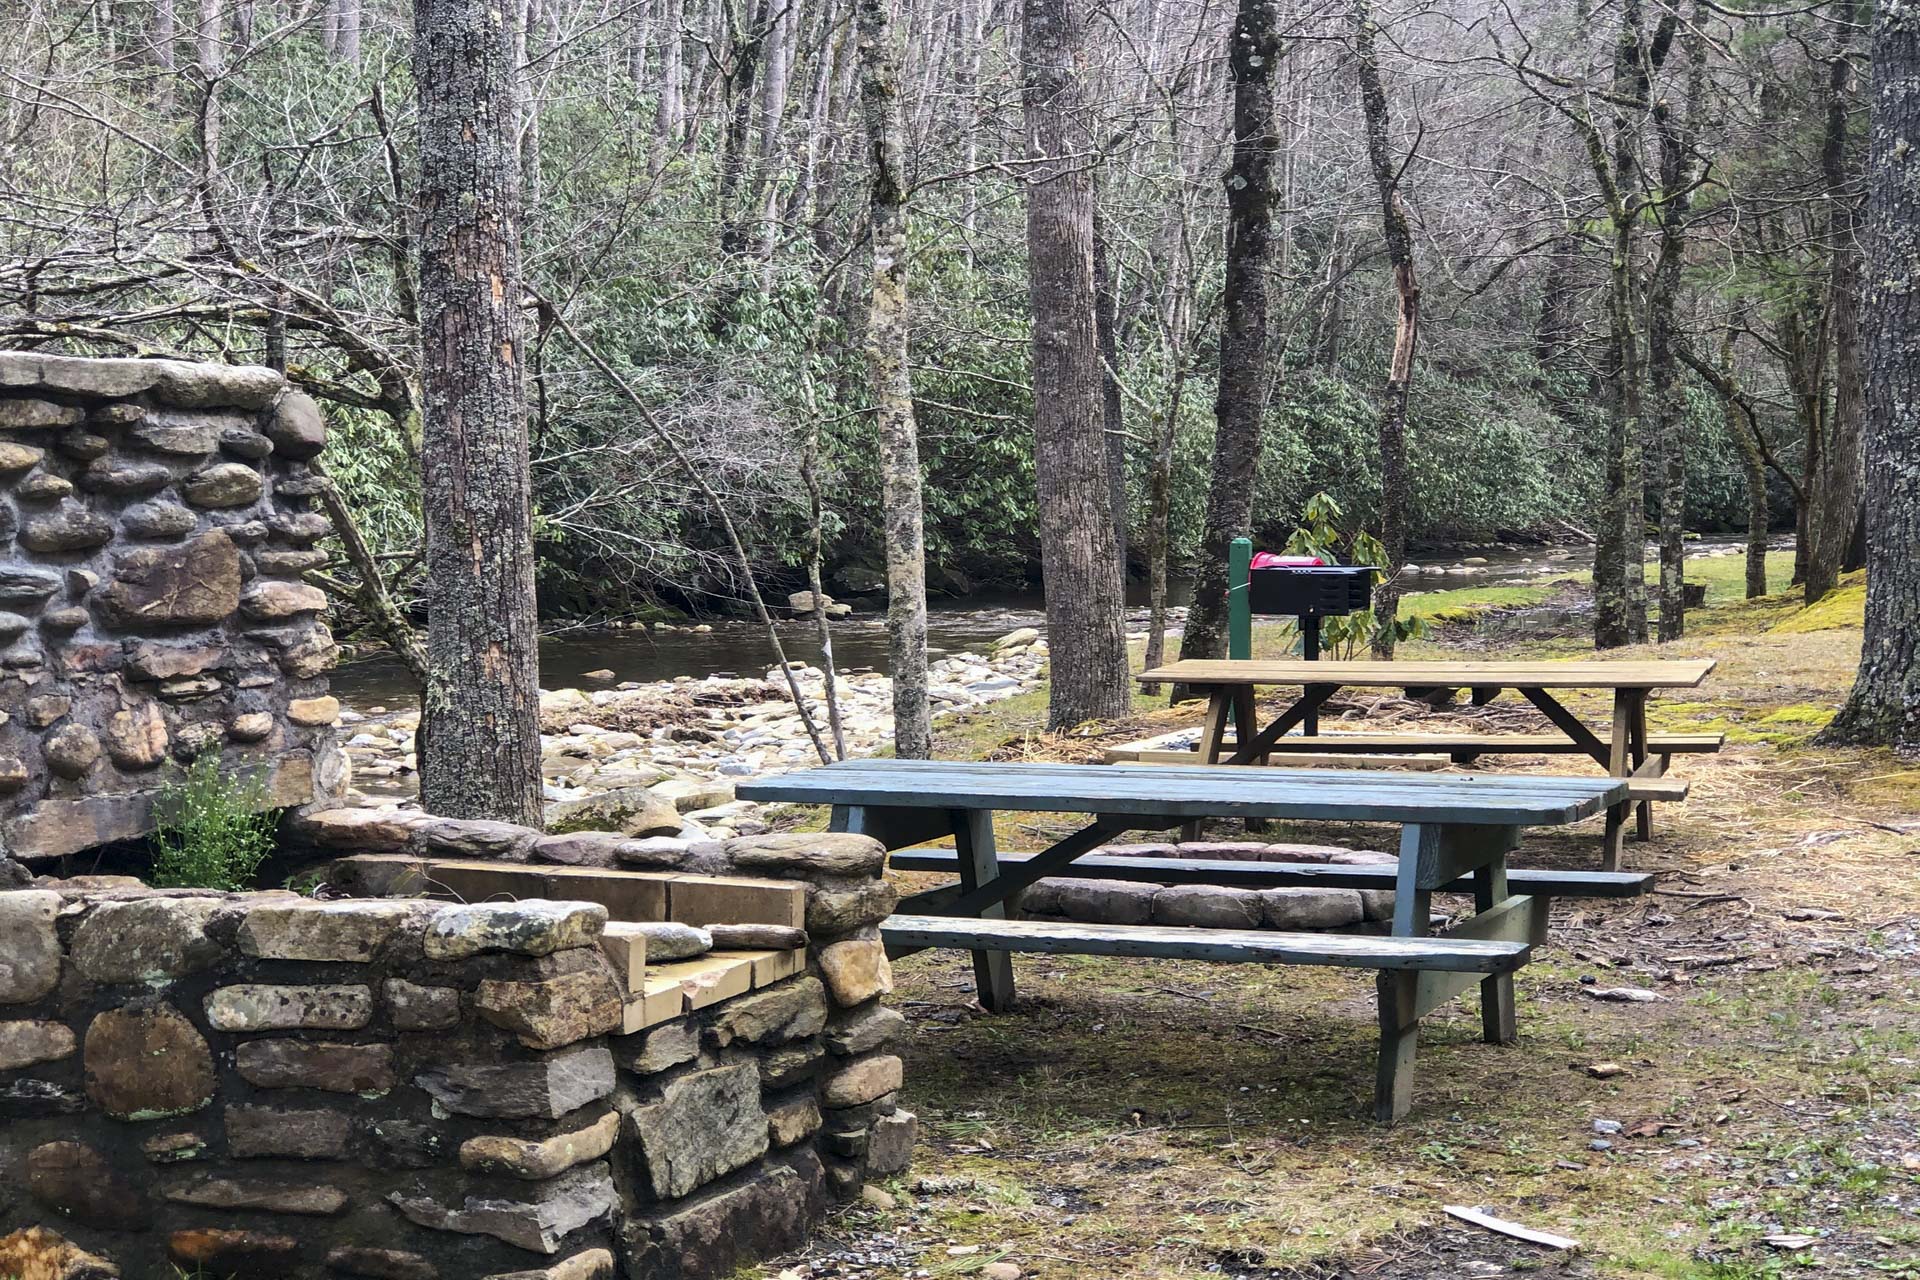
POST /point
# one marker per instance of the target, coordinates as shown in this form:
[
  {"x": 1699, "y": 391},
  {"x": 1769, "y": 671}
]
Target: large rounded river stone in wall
[
  {"x": 80, "y": 1183},
  {"x": 195, "y": 583},
  {"x": 143, "y": 1064}
]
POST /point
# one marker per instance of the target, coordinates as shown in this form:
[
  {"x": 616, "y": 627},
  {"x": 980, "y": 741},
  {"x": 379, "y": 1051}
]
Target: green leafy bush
[{"x": 214, "y": 829}]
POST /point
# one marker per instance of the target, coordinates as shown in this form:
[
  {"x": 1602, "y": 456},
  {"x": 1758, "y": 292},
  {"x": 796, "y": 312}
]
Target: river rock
[
  {"x": 148, "y": 941},
  {"x": 874, "y": 1027},
  {"x": 224, "y": 484},
  {"x": 195, "y": 583},
  {"x": 544, "y": 1089},
  {"x": 474, "y": 838},
  {"x": 862, "y": 1081},
  {"x": 791, "y": 1011},
  {"x": 1105, "y": 901},
  {"x": 669, "y": 940},
  {"x": 381, "y": 1264},
  {"x": 630, "y": 811},
  {"x": 534, "y": 928},
  {"x": 279, "y": 1133},
  {"x": 72, "y": 750},
  {"x": 25, "y": 1044},
  {"x": 690, "y": 794},
  {"x": 158, "y": 519},
  {"x": 260, "y": 1194},
  {"x": 342, "y": 932},
  {"x": 553, "y": 1012},
  {"x": 29, "y": 948},
  {"x": 552, "y": 1211},
  {"x": 1311, "y": 908},
  {"x": 809, "y": 853},
  {"x": 856, "y": 970},
  {"x": 295, "y": 426},
  {"x": 136, "y": 736},
  {"x": 69, "y": 527},
  {"x": 706, "y": 1124},
  {"x": 667, "y": 1045},
  {"x": 273, "y": 600},
  {"x": 890, "y": 1143},
  {"x": 80, "y": 1183},
  {"x": 224, "y": 1251},
  {"x": 302, "y": 1064},
  {"x": 1208, "y": 907},
  {"x": 35, "y": 1253},
  {"x": 146, "y": 1063},
  {"x": 836, "y": 911},
  {"x": 23, "y": 584},
  {"x": 538, "y": 1159},
  {"x": 256, "y": 1006}
]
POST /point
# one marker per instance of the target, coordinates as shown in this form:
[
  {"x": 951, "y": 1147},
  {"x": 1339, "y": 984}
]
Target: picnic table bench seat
[
  {"x": 1183, "y": 942},
  {"x": 1462, "y": 746},
  {"x": 1237, "y": 874}
]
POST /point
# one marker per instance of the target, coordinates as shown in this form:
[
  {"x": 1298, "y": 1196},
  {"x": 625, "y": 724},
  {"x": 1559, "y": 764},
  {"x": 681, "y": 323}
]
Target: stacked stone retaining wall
[
  {"x": 406, "y": 1088},
  {"x": 155, "y": 520}
]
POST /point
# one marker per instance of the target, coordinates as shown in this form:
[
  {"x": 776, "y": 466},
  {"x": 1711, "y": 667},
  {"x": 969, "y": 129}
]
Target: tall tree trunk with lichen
[
  {"x": 891, "y": 383},
  {"x": 1395, "y": 495},
  {"x": 1678, "y": 136},
  {"x": 1884, "y": 706},
  {"x": 1241, "y": 398},
  {"x": 1834, "y": 482},
  {"x": 1079, "y": 560},
  {"x": 480, "y": 716}
]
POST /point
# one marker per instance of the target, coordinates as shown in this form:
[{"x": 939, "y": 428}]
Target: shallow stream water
[{"x": 860, "y": 641}]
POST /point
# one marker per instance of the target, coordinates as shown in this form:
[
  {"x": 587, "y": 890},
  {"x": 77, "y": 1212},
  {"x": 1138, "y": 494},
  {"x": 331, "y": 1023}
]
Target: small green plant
[
  {"x": 1320, "y": 535},
  {"x": 214, "y": 830}
]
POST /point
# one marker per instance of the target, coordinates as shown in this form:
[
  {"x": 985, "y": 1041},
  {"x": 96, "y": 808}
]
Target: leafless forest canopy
[{"x": 1633, "y": 225}]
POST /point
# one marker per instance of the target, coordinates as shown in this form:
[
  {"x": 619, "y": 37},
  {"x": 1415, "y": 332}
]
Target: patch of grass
[{"x": 1841, "y": 608}]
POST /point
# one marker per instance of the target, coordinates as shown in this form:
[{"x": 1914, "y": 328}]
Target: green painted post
[{"x": 1239, "y": 600}]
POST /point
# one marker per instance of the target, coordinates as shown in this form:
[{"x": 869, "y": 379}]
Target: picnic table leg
[
  {"x": 1497, "y": 1022},
  {"x": 1643, "y": 819},
  {"x": 1399, "y": 1042},
  {"x": 1396, "y": 991},
  {"x": 979, "y": 864},
  {"x": 1619, "y": 764}
]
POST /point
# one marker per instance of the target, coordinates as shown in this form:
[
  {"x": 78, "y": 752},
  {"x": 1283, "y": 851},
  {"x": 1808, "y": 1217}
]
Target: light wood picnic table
[
  {"x": 1623, "y": 752},
  {"x": 1454, "y": 828}
]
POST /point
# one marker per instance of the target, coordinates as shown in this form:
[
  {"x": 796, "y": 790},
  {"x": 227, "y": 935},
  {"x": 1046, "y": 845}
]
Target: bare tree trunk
[
  {"x": 1746, "y": 432},
  {"x": 1112, "y": 411},
  {"x": 1833, "y": 484},
  {"x": 1086, "y": 631},
  {"x": 888, "y": 321},
  {"x": 966, "y": 88},
  {"x": 1884, "y": 707},
  {"x": 1678, "y": 140},
  {"x": 782, "y": 35},
  {"x": 666, "y": 116},
  {"x": 1242, "y": 395},
  {"x": 481, "y": 714},
  {"x": 1395, "y": 493}
]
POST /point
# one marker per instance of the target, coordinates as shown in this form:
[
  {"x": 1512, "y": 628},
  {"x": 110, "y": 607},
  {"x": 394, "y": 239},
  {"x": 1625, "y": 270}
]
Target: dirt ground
[{"x": 1758, "y": 1116}]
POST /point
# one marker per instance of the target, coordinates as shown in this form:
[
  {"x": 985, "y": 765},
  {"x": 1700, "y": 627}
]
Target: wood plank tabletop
[
  {"x": 1196, "y": 791},
  {"x": 1656, "y": 674}
]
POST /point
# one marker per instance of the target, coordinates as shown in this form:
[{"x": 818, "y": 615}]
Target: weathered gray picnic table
[{"x": 1456, "y": 831}]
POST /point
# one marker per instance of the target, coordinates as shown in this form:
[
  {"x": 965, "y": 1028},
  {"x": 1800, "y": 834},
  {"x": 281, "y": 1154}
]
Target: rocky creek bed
[{"x": 661, "y": 758}]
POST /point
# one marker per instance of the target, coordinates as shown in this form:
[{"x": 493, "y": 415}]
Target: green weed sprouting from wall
[{"x": 213, "y": 829}]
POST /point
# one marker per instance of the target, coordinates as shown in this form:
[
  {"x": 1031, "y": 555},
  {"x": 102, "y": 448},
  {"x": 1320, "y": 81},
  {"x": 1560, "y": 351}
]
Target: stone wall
[
  {"x": 404, "y": 1088},
  {"x": 156, "y": 518}
]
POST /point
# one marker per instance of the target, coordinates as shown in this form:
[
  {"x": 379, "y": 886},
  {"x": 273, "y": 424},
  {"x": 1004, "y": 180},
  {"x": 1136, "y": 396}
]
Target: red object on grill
[{"x": 1273, "y": 560}]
